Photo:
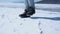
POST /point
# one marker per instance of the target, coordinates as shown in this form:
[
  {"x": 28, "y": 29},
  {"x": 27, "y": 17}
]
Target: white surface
[
  {"x": 44, "y": 21},
  {"x": 18, "y": 1}
]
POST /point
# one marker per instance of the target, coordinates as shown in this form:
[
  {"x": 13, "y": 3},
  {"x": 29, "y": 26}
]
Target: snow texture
[{"x": 46, "y": 20}]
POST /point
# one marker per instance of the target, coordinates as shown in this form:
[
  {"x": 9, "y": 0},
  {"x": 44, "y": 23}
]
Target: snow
[
  {"x": 46, "y": 20},
  {"x": 16, "y": 1}
]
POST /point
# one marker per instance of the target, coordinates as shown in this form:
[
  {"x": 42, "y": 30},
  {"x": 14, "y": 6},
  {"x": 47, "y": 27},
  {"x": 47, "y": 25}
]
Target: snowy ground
[{"x": 46, "y": 20}]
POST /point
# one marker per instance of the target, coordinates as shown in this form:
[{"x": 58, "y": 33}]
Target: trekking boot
[
  {"x": 31, "y": 11},
  {"x": 28, "y": 12},
  {"x": 24, "y": 14}
]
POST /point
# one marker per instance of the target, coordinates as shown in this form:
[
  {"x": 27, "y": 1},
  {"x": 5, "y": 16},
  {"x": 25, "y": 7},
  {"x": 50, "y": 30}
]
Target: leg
[
  {"x": 29, "y": 8},
  {"x": 31, "y": 3},
  {"x": 26, "y": 4}
]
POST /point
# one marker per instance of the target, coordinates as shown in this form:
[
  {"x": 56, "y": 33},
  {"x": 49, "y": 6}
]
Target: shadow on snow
[
  {"x": 50, "y": 9},
  {"x": 54, "y": 18},
  {"x": 49, "y": 2}
]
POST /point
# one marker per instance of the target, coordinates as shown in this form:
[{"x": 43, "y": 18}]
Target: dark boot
[
  {"x": 28, "y": 12},
  {"x": 31, "y": 11},
  {"x": 24, "y": 14}
]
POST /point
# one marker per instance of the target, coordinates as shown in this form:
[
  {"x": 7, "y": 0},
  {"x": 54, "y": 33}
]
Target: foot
[
  {"x": 24, "y": 15},
  {"x": 31, "y": 11},
  {"x": 28, "y": 12}
]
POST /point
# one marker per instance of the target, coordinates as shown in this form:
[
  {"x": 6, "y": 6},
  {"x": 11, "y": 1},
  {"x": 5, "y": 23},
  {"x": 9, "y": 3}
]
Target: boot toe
[{"x": 23, "y": 16}]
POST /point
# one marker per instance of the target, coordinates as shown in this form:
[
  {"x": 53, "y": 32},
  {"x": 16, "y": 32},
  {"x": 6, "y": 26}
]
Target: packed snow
[{"x": 46, "y": 20}]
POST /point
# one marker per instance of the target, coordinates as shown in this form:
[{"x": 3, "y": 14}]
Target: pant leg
[
  {"x": 26, "y": 4},
  {"x": 29, "y": 3}
]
